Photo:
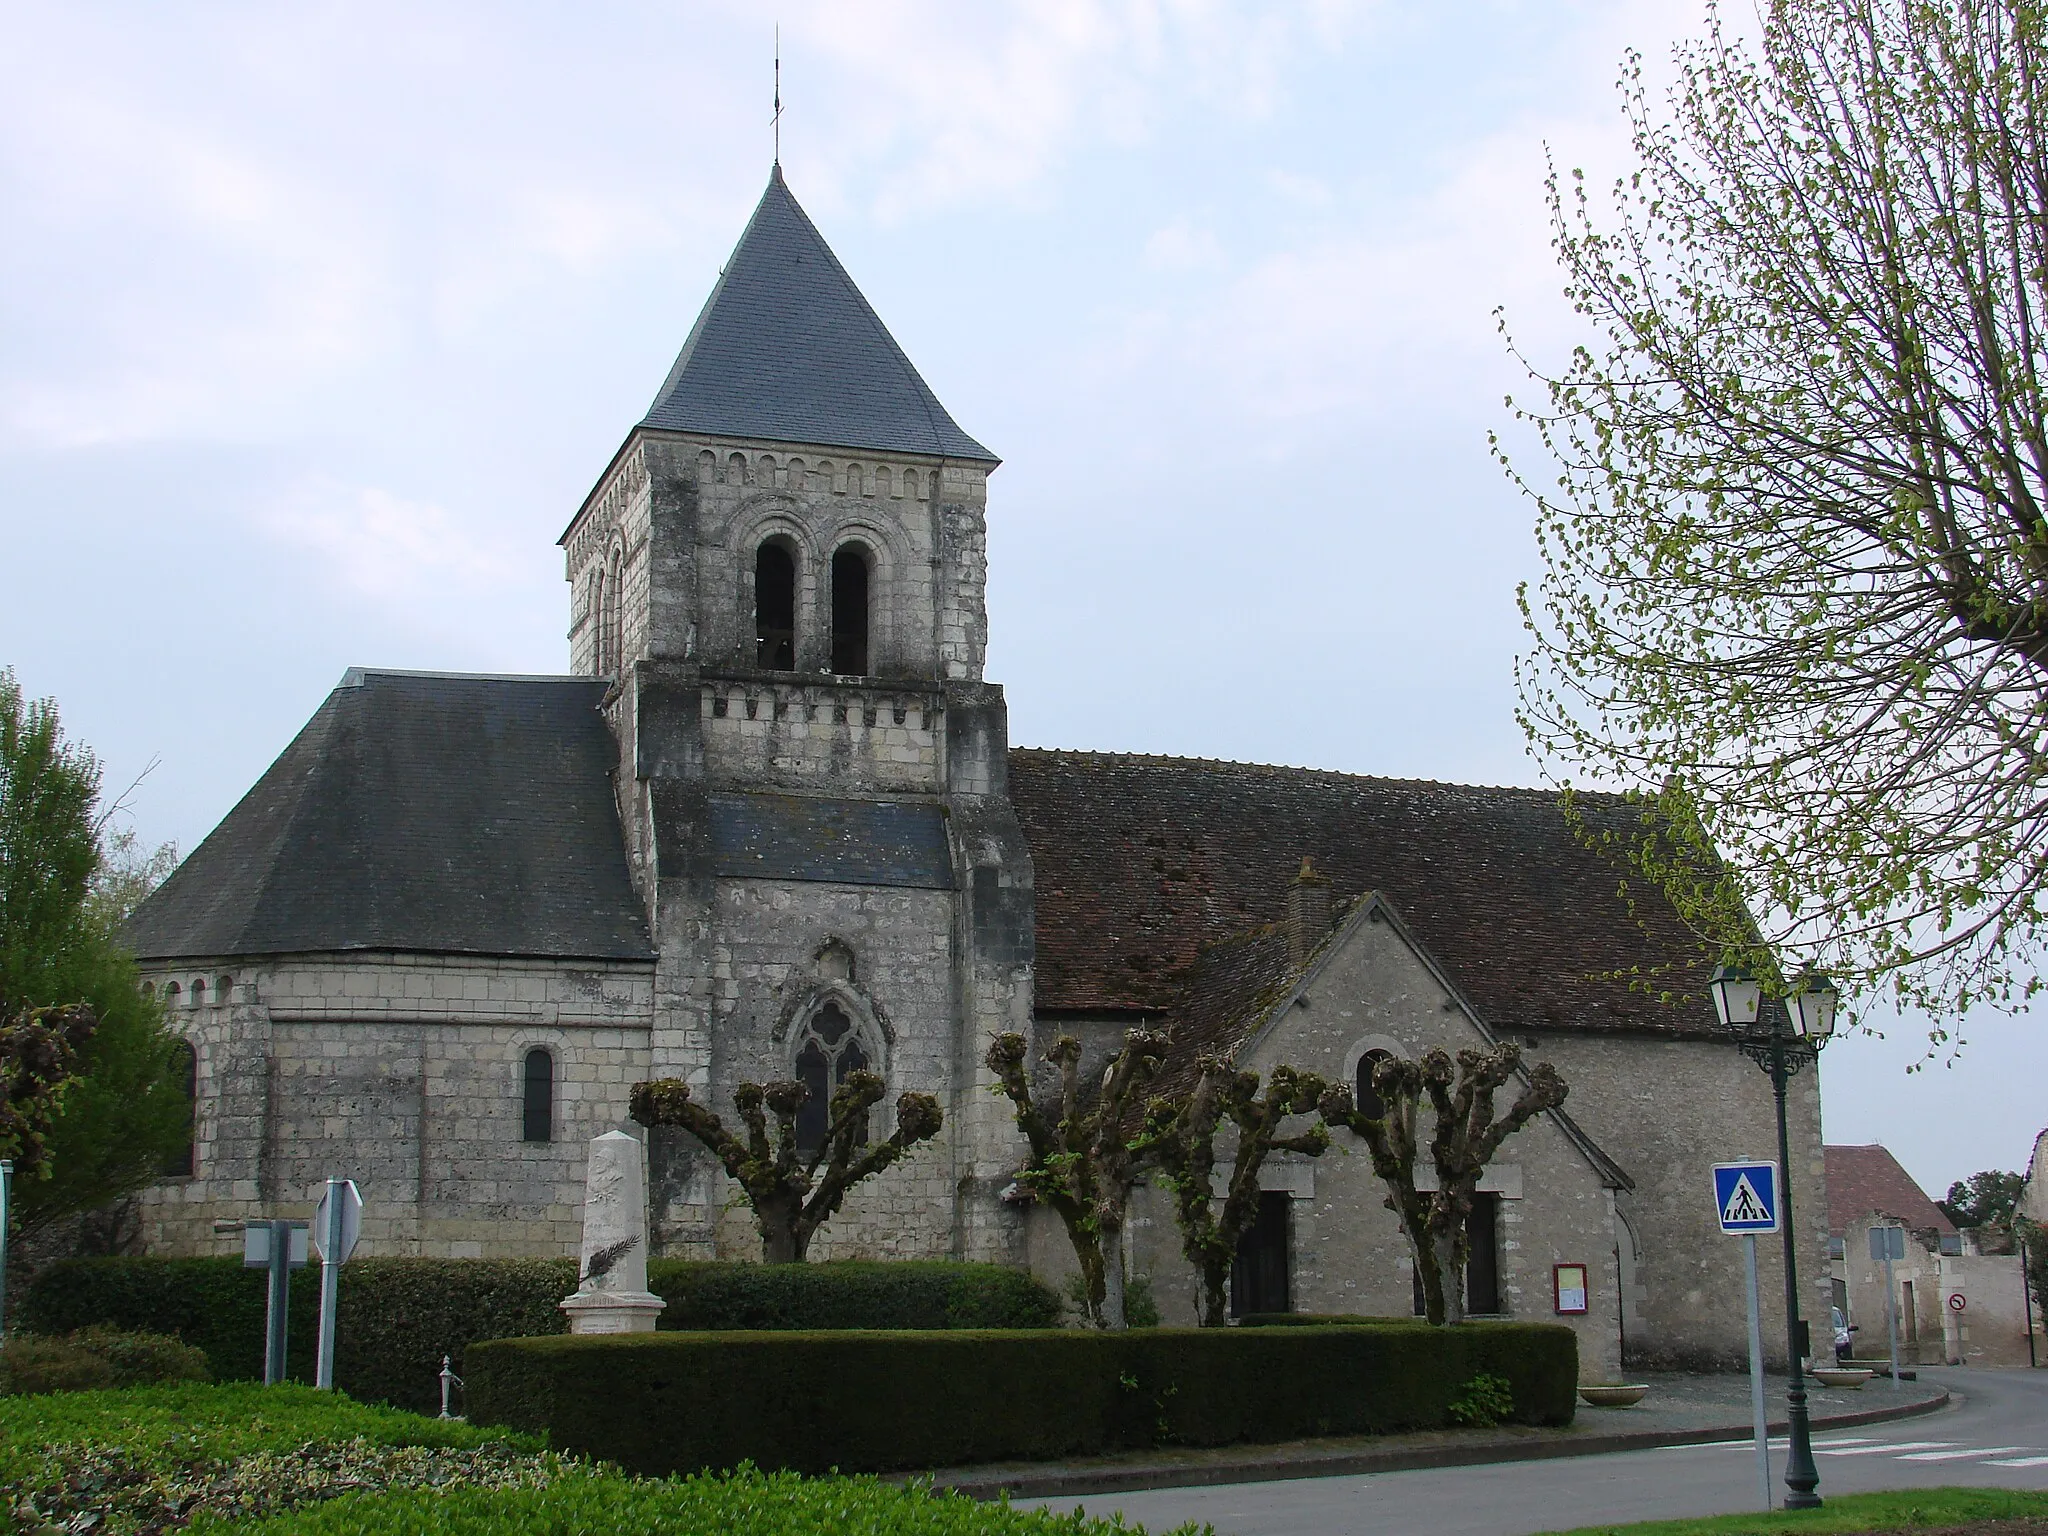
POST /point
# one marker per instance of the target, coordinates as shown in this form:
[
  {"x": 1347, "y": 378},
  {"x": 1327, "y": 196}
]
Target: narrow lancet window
[
  {"x": 850, "y": 612},
  {"x": 775, "y": 609},
  {"x": 540, "y": 1097},
  {"x": 184, "y": 1071}
]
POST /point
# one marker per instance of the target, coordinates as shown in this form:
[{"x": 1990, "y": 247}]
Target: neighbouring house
[
  {"x": 1954, "y": 1306},
  {"x": 770, "y": 825}
]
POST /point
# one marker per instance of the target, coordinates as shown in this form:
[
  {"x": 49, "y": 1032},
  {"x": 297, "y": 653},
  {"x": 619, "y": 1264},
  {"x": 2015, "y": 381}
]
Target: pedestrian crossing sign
[{"x": 1746, "y": 1197}]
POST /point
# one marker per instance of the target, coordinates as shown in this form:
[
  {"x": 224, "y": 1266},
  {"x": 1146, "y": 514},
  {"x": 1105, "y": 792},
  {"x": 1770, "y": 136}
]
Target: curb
[{"x": 1253, "y": 1467}]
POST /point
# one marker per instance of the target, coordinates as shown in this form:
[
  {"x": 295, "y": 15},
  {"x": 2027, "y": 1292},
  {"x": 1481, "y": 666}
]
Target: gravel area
[{"x": 1681, "y": 1402}]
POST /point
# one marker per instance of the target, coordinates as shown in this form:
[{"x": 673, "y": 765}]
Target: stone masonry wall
[
  {"x": 404, "y": 1073},
  {"x": 1667, "y": 1110}
]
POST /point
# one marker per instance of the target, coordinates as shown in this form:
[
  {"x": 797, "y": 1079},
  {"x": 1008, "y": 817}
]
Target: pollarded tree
[
  {"x": 1796, "y": 534},
  {"x": 1463, "y": 1141},
  {"x": 1180, "y": 1136},
  {"x": 1084, "y": 1149},
  {"x": 791, "y": 1200}
]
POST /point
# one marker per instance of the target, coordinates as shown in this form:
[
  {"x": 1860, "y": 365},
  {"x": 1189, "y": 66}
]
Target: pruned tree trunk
[
  {"x": 1466, "y": 1136},
  {"x": 1181, "y": 1135},
  {"x": 1083, "y": 1155},
  {"x": 789, "y": 1198}
]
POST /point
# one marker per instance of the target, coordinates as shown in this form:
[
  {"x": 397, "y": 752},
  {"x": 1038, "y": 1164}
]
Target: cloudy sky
[{"x": 317, "y": 321}]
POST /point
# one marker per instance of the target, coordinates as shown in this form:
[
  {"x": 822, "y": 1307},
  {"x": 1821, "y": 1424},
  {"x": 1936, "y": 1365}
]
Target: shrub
[
  {"x": 96, "y": 1357},
  {"x": 871, "y": 1401},
  {"x": 1483, "y": 1402},
  {"x": 849, "y": 1293},
  {"x": 398, "y": 1317}
]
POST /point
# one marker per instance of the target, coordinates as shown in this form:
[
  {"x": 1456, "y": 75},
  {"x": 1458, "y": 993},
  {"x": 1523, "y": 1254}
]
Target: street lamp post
[{"x": 1791, "y": 1043}]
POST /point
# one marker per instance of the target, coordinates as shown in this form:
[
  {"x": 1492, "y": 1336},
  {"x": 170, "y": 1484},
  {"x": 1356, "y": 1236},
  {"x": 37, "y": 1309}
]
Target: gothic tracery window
[{"x": 828, "y": 1051}]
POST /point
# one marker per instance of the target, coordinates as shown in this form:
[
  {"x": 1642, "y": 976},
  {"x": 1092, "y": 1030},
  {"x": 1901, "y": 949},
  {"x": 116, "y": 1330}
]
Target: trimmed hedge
[
  {"x": 876, "y": 1402},
  {"x": 1326, "y": 1320},
  {"x": 398, "y": 1317}
]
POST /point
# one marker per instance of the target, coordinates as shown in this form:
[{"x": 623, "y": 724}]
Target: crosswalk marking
[
  {"x": 2022, "y": 1461},
  {"x": 1828, "y": 1445},
  {"x": 1884, "y": 1450},
  {"x": 1981, "y": 1450}
]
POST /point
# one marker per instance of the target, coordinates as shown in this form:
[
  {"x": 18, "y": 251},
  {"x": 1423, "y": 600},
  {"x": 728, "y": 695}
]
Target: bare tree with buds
[
  {"x": 1461, "y": 1095},
  {"x": 1083, "y": 1154},
  {"x": 1180, "y": 1134},
  {"x": 791, "y": 1200}
]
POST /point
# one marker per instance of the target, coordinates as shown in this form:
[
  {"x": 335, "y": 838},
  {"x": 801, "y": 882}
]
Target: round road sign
[{"x": 1957, "y": 1303}]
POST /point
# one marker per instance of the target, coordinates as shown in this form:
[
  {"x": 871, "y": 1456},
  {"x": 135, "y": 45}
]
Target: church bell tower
[{"x": 782, "y": 574}]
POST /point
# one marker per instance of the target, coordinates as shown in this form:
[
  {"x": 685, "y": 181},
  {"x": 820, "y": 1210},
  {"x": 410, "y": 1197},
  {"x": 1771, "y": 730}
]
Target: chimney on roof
[{"x": 1308, "y": 913}]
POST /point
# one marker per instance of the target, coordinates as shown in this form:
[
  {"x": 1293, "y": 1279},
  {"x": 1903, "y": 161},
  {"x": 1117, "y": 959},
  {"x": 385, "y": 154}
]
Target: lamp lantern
[
  {"x": 1737, "y": 996},
  {"x": 1812, "y": 1005}
]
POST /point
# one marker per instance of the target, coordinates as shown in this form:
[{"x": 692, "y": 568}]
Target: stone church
[{"x": 770, "y": 824}]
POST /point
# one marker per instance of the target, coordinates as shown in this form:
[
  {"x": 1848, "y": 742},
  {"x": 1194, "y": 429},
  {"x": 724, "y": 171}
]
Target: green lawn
[
  {"x": 1853, "y": 1514},
  {"x": 278, "y": 1460}
]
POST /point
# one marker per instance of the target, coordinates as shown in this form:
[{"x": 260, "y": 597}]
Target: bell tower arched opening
[
  {"x": 850, "y": 583},
  {"x": 775, "y": 607}
]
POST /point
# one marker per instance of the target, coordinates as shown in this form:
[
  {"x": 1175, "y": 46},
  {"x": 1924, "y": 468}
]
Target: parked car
[{"x": 1845, "y": 1332}]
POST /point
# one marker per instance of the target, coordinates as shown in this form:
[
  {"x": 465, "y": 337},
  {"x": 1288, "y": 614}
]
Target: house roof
[
  {"x": 1142, "y": 862},
  {"x": 787, "y": 349},
  {"x": 418, "y": 811},
  {"x": 1862, "y": 1180}
]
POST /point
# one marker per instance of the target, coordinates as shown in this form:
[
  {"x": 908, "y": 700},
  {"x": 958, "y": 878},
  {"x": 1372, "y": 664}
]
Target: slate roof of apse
[
  {"x": 1142, "y": 862},
  {"x": 418, "y": 811},
  {"x": 787, "y": 349},
  {"x": 1866, "y": 1179}
]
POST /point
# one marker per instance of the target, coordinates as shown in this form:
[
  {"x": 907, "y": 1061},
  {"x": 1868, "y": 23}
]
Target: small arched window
[
  {"x": 828, "y": 1052},
  {"x": 1370, "y": 1104},
  {"x": 539, "y": 1119},
  {"x": 850, "y": 611},
  {"x": 183, "y": 1161},
  {"x": 774, "y": 608}
]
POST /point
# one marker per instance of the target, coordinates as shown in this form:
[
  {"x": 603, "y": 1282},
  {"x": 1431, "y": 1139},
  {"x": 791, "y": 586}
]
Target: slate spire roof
[{"x": 787, "y": 349}]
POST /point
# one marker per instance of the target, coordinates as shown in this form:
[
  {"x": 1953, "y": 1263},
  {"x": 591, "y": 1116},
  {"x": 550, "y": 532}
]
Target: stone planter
[
  {"x": 1613, "y": 1394},
  {"x": 1841, "y": 1375}
]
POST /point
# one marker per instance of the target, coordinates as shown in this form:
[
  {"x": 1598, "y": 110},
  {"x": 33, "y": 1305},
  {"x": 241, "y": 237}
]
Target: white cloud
[{"x": 369, "y": 542}]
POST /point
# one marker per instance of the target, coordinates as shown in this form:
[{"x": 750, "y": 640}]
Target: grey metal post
[
  {"x": 330, "y": 1285},
  {"x": 6, "y": 1215},
  {"x": 1756, "y": 1372},
  {"x": 280, "y": 1301},
  {"x": 1891, "y": 1315}
]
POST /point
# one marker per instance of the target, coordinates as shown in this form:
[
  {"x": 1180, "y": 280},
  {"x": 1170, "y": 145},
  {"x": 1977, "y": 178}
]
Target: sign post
[
  {"x": 1746, "y": 1204},
  {"x": 6, "y": 1215},
  {"x": 337, "y": 1221},
  {"x": 280, "y": 1247},
  {"x": 1887, "y": 1244}
]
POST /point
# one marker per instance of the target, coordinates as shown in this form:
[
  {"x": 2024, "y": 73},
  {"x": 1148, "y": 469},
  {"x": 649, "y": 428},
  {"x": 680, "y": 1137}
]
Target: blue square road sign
[{"x": 1746, "y": 1197}]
